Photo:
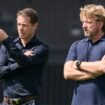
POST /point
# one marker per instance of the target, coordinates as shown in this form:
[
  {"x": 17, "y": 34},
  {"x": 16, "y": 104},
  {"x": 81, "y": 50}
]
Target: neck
[{"x": 25, "y": 41}]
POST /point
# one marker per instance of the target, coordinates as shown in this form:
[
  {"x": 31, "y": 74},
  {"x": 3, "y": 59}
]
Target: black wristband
[{"x": 78, "y": 63}]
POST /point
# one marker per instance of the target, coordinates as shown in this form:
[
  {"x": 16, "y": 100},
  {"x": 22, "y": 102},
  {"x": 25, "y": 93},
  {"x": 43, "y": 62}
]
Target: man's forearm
[
  {"x": 96, "y": 67},
  {"x": 78, "y": 75},
  {"x": 74, "y": 74}
]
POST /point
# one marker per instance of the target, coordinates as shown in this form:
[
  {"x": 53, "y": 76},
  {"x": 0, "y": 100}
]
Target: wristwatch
[{"x": 78, "y": 63}]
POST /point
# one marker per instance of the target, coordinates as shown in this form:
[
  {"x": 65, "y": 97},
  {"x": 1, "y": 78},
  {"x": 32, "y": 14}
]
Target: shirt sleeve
[
  {"x": 72, "y": 53},
  {"x": 40, "y": 54},
  {"x": 6, "y": 68}
]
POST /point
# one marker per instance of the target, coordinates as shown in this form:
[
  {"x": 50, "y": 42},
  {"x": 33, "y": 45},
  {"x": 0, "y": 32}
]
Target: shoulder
[
  {"x": 80, "y": 42},
  {"x": 39, "y": 42}
]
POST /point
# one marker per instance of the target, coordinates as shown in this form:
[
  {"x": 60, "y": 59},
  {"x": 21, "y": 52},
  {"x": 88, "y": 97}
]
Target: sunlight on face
[
  {"x": 24, "y": 27},
  {"x": 90, "y": 27}
]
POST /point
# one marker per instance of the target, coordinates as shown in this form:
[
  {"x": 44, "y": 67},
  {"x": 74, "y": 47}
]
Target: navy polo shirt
[{"x": 92, "y": 91}]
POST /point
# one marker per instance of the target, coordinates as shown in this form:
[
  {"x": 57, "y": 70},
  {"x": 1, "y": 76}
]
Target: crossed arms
[{"x": 89, "y": 70}]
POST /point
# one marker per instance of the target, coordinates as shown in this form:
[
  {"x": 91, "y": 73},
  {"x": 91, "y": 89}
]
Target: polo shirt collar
[{"x": 102, "y": 38}]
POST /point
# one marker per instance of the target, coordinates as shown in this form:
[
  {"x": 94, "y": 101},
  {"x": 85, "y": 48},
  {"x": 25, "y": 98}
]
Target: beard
[
  {"x": 91, "y": 34},
  {"x": 87, "y": 33}
]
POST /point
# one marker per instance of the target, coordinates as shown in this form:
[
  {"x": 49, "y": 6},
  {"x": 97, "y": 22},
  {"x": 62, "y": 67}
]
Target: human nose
[{"x": 84, "y": 24}]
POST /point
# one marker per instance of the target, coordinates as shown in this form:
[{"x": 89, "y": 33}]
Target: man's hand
[
  {"x": 3, "y": 35},
  {"x": 28, "y": 53}
]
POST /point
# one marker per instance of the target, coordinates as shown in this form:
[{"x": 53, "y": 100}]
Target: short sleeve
[{"x": 72, "y": 53}]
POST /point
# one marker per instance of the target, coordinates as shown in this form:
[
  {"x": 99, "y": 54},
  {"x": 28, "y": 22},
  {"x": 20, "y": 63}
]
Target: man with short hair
[
  {"x": 85, "y": 63},
  {"x": 22, "y": 61}
]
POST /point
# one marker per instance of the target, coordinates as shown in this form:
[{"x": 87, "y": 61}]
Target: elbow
[
  {"x": 66, "y": 76},
  {"x": 69, "y": 76},
  {"x": 67, "y": 71}
]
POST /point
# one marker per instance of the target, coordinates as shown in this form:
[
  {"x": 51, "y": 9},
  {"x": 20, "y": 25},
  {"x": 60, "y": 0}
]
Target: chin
[
  {"x": 87, "y": 34},
  {"x": 21, "y": 37}
]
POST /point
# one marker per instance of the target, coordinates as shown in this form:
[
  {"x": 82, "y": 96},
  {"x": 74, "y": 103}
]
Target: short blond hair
[{"x": 95, "y": 12}]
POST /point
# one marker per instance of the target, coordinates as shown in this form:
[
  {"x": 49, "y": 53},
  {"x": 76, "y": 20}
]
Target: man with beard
[{"x": 85, "y": 63}]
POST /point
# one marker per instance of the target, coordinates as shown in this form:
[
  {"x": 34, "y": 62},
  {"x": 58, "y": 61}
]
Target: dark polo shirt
[{"x": 92, "y": 91}]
